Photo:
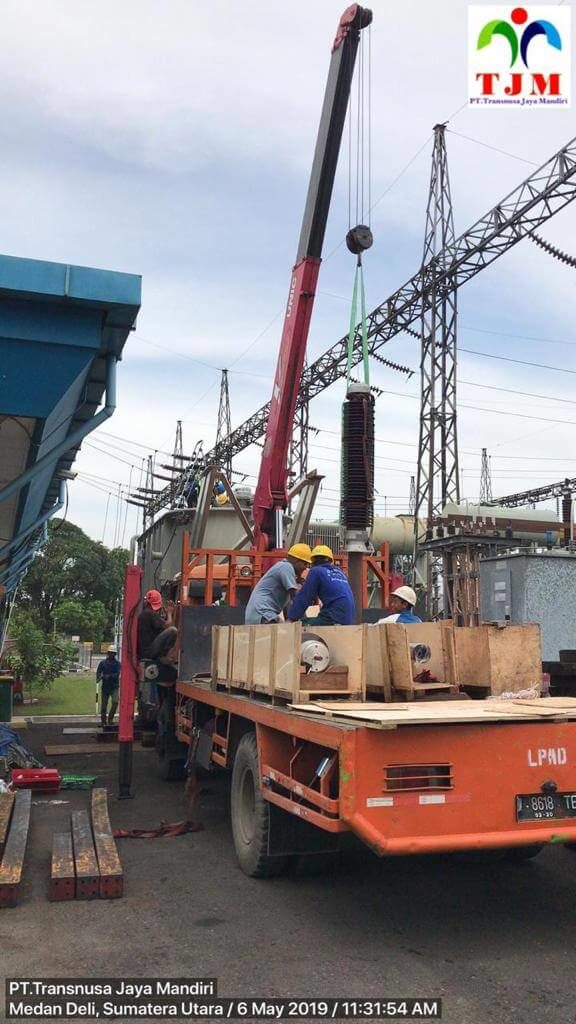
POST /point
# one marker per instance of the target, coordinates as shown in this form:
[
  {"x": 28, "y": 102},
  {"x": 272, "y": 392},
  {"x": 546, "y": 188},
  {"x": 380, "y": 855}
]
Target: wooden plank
[
  {"x": 241, "y": 654},
  {"x": 449, "y": 651},
  {"x": 334, "y": 678},
  {"x": 85, "y": 860},
  {"x": 6, "y": 805},
  {"x": 111, "y": 874},
  {"x": 377, "y": 663},
  {"x": 399, "y": 656},
  {"x": 62, "y": 873},
  {"x": 15, "y": 849},
  {"x": 346, "y": 645},
  {"x": 287, "y": 667},
  {"x": 84, "y": 748},
  {"x": 437, "y": 712},
  {"x": 262, "y": 677}
]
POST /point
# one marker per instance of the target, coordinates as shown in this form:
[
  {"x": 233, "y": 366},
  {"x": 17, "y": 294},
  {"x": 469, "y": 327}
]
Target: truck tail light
[{"x": 417, "y": 776}]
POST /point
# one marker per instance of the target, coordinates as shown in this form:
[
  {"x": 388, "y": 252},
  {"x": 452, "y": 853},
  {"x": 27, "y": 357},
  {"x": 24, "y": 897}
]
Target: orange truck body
[{"x": 405, "y": 790}]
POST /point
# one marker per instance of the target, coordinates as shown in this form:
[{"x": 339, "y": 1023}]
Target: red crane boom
[{"x": 270, "y": 498}]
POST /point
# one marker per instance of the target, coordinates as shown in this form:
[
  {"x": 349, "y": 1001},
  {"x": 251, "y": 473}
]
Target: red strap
[{"x": 166, "y": 828}]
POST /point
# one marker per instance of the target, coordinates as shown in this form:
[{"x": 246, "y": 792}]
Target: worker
[
  {"x": 277, "y": 587},
  {"x": 108, "y": 674},
  {"x": 402, "y": 601},
  {"x": 156, "y": 638},
  {"x": 325, "y": 582},
  {"x": 153, "y": 620}
]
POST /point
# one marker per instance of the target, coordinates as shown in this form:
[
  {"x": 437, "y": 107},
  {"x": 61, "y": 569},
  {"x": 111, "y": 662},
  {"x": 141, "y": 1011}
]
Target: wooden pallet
[{"x": 15, "y": 849}]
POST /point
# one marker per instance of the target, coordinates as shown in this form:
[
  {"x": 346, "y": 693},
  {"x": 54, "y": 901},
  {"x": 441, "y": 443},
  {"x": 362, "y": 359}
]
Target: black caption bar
[{"x": 224, "y": 1009}]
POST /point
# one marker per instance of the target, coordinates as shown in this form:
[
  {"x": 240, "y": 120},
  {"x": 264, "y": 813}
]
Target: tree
[
  {"x": 38, "y": 658},
  {"x": 73, "y": 567},
  {"x": 88, "y": 621}
]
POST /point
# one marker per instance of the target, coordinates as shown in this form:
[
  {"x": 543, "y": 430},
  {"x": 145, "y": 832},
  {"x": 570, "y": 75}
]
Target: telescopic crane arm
[{"x": 270, "y": 499}]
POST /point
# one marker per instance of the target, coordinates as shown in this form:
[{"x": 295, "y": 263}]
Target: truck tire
[{"x": 250, "y": 814}]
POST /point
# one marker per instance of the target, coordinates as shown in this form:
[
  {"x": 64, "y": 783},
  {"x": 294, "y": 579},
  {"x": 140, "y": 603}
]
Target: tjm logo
[{"x": 519, "y": 56}]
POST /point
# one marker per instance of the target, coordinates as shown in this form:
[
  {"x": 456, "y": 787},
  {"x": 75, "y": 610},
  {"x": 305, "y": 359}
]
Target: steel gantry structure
[
  {"x": 546, "y": 191},
  {"x": 437, "y": 480}
]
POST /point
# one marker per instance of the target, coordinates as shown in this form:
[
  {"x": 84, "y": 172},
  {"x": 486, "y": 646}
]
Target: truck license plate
[{"x": 543, "y": 806}]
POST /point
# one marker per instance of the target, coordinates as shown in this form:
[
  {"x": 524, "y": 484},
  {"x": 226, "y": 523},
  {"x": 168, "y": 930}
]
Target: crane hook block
[{"x": 359, "y": 239}]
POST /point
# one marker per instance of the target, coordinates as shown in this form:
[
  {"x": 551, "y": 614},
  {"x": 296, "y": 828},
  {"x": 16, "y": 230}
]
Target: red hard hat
[{"x": 154, "y": 599}]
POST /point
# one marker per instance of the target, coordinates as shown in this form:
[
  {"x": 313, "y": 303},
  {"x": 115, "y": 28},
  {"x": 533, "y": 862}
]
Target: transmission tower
[
  {"x": 178, "y": 453},
  {"x": 224, "y": 428},
  {"x": 412, "y": 498},
  {"x": 485, "y": 479},
  {"x": 437, "y": 477},
  {"x": 298, "y": 457}
]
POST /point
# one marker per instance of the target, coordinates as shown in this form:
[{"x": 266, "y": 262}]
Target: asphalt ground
[{"x": 494, "y": 941}]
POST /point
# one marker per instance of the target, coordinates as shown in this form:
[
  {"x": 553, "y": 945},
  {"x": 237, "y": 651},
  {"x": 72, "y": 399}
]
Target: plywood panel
[
  {"x": 472, "y": 655},
  {"x": 346, "y": 645},
  {"x": 399, "y": 656},
  {"x": 377, "y": 663},
  {"x": 515, "y": 658},
  {"x": 502, "y": 659},
  {"x": 379, "y": 715},
  {"x": 263, "y": 666},
  {"x": 241, "y": 654},
  {"x": 220, "y": 652},
  {"x": 287, "y": 668}
]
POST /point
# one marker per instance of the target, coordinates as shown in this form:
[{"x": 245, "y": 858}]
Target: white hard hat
[
  {"x": 112, "y": 649},
  {"x": 405, "y": 594}
]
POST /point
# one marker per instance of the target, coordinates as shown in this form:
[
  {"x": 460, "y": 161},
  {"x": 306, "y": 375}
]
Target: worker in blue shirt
[
  {"x": 328, "y": 583},
  {"x": 402, "y": 601},
  {"x": 108, "y": 673}
]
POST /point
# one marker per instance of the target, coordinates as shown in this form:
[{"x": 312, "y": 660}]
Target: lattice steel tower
[
  {"x": 224, "y": 428},
  {"x": 298, "y": 456},
  {"x": 437, "y": 476},
  {"x": 485, "y": 479}
]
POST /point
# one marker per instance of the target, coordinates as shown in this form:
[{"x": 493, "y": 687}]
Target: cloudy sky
[{"x": 174, "y": 140}]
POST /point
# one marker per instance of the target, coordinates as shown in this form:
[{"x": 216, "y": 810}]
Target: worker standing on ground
[
  {"x": 277, "y": 587},
  {"x": 325, "y": 582},
  {"x": 108, "y": 674},
  {"x": 402, "y": 601}
]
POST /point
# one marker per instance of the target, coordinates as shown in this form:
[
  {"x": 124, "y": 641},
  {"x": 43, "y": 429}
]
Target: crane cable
[{"x": 359, "y": 238}]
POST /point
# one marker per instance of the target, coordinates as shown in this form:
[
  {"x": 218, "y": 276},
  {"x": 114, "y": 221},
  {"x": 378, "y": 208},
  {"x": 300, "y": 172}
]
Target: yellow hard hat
[
  {"x": 301, "y": 551},
  {"x": 323, "y": 551}
]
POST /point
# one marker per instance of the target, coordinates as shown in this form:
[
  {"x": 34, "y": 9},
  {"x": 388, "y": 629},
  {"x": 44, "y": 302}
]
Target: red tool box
[{"x": 46, "y": 780}]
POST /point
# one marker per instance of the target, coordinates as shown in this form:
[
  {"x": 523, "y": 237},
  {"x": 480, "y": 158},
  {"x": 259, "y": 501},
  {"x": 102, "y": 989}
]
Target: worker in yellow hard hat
[
  {"x": 277, "y": 586},
  {"x": 328, "y": 584}
]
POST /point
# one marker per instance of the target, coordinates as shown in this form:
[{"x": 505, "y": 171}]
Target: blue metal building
[{"x": 62, "y": 330}]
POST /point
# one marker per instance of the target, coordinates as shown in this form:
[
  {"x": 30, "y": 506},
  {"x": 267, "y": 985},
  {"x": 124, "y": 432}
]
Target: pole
[{"x": 128, "y": 679}]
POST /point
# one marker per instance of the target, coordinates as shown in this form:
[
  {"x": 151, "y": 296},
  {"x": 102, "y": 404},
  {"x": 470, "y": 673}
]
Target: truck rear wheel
[{"x": 250, "y": 814}]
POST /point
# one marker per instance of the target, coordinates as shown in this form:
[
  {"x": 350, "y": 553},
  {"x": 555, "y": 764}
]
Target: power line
[{"x": 495, "y": 149}]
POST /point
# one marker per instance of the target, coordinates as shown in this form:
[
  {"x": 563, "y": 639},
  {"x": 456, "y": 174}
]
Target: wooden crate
[
  {"x": 498, "y": 658},
  {"x": 266, "y": 659},
  {"x": 438, "y": 636}
]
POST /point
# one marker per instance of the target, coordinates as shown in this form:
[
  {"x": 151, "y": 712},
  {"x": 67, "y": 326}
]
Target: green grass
[{"x": 69, "y": 695}]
